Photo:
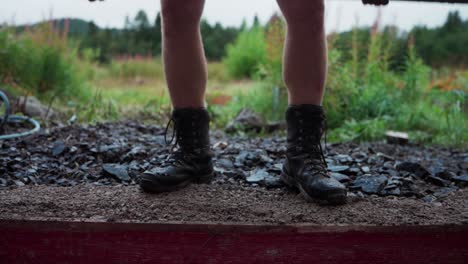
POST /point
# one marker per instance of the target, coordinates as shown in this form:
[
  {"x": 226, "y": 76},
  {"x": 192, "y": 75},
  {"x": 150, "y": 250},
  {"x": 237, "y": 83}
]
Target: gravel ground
[{"x": 91, "y": 172}]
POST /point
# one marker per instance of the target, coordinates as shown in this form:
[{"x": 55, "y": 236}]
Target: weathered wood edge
[{"x": 87, "y": 226}]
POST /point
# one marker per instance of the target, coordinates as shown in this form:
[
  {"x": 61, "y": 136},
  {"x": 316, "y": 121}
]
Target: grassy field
[
  {"x": 137, "y": 86},
  {"x": 365, "y": 97},
  {"x": 434, "y": 112}
]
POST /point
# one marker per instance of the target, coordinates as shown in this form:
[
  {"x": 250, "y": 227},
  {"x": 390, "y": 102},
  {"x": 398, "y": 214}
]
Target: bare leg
[
  {"x": 183, "y": 54},
  {"x": 305, "y": 55},
  {"x": 186, "y": 74}
]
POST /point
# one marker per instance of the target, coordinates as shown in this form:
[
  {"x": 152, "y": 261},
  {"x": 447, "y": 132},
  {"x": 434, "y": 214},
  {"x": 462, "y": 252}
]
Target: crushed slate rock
[
  {"x": 110, "y": 154},
  {"x": 370, "y": 184},
  {"x": 58, "y": 148},
  {"x": 461, "y": 179},
  {"x": 116, "y": 170}
]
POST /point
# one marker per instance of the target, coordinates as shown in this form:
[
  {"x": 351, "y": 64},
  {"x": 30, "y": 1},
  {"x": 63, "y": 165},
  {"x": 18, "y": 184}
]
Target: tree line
[
  {"x": 440, "y": 46},
  {"x": 445, "y": 45},
  {"x": 140, "y": 36}
]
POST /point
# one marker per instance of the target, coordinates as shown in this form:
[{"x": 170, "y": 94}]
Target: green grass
[
  {"x": 364, "y": 98},
  {"x": 42, "y": 64},
  {"x": 134, "y": 69},
  {"x": 127, "y": 96},
  {"x": 246, "y": 54},
  {"x": 257, "y": 96}
]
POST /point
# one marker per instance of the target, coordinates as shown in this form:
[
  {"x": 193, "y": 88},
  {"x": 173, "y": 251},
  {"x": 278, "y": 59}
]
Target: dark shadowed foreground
[{"x": 91, "y": 173}]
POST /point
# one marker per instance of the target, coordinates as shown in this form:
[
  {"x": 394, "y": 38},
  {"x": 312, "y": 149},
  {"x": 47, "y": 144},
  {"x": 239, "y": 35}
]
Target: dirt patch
[
  {"x": 92, "y": 172},
  {"x": 221, "y": 204}
]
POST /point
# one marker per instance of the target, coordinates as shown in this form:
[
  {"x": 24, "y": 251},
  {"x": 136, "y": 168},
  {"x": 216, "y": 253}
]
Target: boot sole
[
  {"x": 151, "y": 185},
  {"x": 332, "y": 199}
]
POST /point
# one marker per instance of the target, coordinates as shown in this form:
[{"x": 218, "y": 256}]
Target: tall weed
[{"x": 42, "y": 62}]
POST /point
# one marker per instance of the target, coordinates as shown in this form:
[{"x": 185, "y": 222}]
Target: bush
[
  {"x": 246, "y": 54},
  {"x": 365, "y": 98},
  {"x": 41, "y": 63}
]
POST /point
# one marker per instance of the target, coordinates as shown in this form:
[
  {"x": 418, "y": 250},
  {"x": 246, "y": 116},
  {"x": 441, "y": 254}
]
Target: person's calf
[
  {"x": 303, "y": 15},
  {"x": 305, "y": 54},
  {"x": 183, "y": 55},
  {"x": 180, "y": 15}
]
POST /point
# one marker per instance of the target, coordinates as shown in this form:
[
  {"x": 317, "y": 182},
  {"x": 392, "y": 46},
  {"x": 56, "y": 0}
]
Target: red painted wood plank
[{"x": 77, "y": 242}]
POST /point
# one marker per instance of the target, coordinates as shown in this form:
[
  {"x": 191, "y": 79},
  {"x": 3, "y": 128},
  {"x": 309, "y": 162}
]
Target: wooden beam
[{"x": 79, "y": 242}]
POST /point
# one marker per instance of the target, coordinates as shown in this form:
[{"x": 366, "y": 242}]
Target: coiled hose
[{"x": 7, "y": 118}]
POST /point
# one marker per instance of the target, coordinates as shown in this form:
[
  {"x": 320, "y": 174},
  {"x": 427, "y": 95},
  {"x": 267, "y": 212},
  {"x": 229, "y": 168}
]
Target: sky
[{"x": 340, "y": 14}]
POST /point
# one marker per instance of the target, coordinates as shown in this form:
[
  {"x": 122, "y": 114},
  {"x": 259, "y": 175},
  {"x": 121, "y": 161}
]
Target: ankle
[{"x": 306, "y": 107}]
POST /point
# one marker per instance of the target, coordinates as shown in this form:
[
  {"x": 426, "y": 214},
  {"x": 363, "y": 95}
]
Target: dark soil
[
  {"x": 91, "y": 173},
  {"x": 221, "y": 204}
]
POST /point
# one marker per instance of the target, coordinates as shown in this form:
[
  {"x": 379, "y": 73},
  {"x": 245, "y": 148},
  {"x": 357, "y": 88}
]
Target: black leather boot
[
  {"x": 305, "y": 166},
  {"x": 192, "y": 162}
]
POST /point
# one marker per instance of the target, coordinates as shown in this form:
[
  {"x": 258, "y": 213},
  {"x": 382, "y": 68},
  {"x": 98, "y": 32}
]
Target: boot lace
[
  {"x": 184, "y": 139},
  {"x": 309, "y": 147}
]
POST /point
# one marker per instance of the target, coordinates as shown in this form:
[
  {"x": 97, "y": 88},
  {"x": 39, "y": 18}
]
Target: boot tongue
[
  {"x": 305, "y": 122},
  {"x": 192, "y": 127},
  {"x": 305, "y": 128}
]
